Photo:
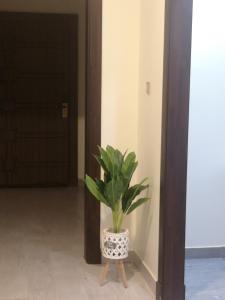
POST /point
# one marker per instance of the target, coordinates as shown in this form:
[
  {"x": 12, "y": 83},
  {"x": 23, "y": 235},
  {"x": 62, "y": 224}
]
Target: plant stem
[{"x": 117, "y": 218}]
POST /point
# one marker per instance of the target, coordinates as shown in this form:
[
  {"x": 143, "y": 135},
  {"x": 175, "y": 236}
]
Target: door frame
[
  {"x": 176, "y": 86},
  {"x": 92, "y": 251}
]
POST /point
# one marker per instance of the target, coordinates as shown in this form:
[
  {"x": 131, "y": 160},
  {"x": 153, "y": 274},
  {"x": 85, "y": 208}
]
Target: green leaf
[
  {"x": 107, "y": 177},
  {"x": 105, "y": 158},
  {"x": 113, "y": 191},
  {"x": 129, "y": 166},
  {"x": 132, "y": 193},
  {"x": 101, "y": 185},
  {"x": 111, "y": 152},
  {"x": 129, "y": 160},
  {"x": 101, "y": 163},
  {"x": 94, "y": 190},
  {"x": 136, "y": 204},
  {"x": 119, "y": 158},
  {"x": 130, "y": 171}
]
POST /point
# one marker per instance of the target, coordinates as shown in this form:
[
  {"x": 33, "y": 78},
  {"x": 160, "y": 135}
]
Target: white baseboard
[{"x": 135, "y": 259}]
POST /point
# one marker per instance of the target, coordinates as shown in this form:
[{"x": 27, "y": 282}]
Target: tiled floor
[
  {"x": 205, "y": 279},
  {"x": 41, "y": 255}
]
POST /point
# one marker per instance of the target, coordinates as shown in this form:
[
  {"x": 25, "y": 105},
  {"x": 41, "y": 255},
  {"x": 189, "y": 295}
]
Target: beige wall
[
  {"x": 133, "y": 54},
  {"x": 149, "y": 129},
  {"x": 120, "y": 65},
  {"x": 62, "y": 6}
]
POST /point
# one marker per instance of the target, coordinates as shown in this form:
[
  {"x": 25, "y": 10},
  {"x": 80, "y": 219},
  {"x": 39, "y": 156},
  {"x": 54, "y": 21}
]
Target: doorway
[
  {"x": 205, "y": 237},
  {"x": 38, "y": 91},
  {"x": 178, "y": 41},
  {"x": 90, "y": 18}
]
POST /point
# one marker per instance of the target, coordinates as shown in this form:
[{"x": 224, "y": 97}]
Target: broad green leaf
[
  {"x": 116, "y": 158},
  {"x": 136, "y": 204},
  {"x": 106, "y": 160},
  {"x": 132, "y": 193},
  {"x": 113, "y": 191},
  {"x": 94, "y": 190},
  {"x": 101, "y": 185},
  {"x": 129, "y": 160},
  {"x": 107, "y": 177},
  {"x": 129, "y": 165},
  {"x": 119, "y": 158},
  {"x": 111, "y": 154},
  {"x": 130, "y": 170},
  {"x": 101, "y": 163}
]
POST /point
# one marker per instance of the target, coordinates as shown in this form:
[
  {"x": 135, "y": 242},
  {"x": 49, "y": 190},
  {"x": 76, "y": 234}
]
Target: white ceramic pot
[{"x": 115, "y": 245}]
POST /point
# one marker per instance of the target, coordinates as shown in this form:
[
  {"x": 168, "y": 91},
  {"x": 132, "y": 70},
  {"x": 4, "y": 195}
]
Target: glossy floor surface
[
  {"x": 41, "y": 250},
  {"x": 205, "y": 279}
]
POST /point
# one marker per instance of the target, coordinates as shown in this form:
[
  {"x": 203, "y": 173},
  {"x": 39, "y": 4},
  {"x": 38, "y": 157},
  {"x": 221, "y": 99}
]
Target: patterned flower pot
[{"x": 115, "y": 245}]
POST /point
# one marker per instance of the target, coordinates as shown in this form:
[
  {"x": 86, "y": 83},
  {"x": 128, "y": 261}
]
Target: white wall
[
  {"x": 62, "y": 6},
  {"x": 206, "y": 162},
  {"x": 120, "y": 64},
  {"x": 149, "y": 129}
]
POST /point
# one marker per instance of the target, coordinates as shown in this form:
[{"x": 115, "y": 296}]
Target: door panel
[{"x": 37, "y": 86}]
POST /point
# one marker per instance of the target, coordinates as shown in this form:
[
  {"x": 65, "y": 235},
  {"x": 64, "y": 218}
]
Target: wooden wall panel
[{"x": 93, "y": 126}]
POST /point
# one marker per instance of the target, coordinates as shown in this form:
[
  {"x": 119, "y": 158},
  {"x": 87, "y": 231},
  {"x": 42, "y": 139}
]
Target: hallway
[
  {"x": 41, "y": 254},
  {"x": 205, "y": 279}
]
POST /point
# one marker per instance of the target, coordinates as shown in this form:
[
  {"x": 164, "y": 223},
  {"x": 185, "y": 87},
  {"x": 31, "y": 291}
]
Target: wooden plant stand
[{"x": 120, "y": 271}]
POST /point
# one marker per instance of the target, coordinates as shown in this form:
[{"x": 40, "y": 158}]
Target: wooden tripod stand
[{"x": 120, "y": 272}]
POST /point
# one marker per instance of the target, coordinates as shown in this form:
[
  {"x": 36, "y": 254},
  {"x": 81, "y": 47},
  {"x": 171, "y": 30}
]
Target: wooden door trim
[
  {"x": 177, "y": 62},
  {"x": 73, "y": 109},
  {"x": 92, "y": 252}
]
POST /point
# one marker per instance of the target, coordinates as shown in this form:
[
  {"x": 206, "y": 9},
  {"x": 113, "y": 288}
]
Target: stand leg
[
  {"x": 118, "y": 270},
  {"x": 121, "y": 272},
  {"x": 104, "y": 273}
]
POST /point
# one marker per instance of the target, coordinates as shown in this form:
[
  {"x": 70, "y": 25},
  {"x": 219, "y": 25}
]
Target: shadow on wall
[{"x": 143, "y": 226}]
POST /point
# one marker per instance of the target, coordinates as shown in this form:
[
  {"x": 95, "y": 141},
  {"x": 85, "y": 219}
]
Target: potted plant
[{"x": 116, "y": 192}]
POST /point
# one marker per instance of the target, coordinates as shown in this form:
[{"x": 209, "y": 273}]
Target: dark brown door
[{"x": 38, "y": 87}]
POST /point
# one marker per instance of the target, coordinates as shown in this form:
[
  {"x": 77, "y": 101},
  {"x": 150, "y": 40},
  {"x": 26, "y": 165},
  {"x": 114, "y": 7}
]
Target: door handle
[{"x": 65, "y": 110}]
